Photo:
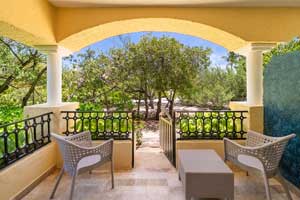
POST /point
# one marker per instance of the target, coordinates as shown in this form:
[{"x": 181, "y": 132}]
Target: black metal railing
[
  {"x": 214, "y": 125},
  {"x": 102, "y": 125},
  {"x": 23, "y": 137}
]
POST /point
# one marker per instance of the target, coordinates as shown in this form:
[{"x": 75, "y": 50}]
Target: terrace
[{"x": 60, "y": 27}]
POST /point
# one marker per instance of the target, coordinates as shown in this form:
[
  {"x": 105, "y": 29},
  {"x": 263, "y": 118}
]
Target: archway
[{"x": 97, "y": 33}]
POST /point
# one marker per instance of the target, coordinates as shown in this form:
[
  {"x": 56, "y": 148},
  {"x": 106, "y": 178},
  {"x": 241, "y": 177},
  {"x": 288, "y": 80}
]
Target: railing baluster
[
  {"x": 42, "y": 129},
  {"x": 49, "y": 127},
  {"x": 6, "y": 155},
  {"x": 34, "y": 134},
  {"x": 26, "y": 136},
  {"x": 16, "y": 141}
]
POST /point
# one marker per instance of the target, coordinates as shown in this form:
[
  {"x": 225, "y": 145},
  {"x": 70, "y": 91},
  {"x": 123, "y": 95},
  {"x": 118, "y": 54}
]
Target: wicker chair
[
  {"x": 80, "y": 156},
  {"x": 262, "y": 153}
]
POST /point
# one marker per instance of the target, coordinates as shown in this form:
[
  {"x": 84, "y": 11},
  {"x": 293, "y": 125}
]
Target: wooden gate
[{"x": 167, "y": 137}]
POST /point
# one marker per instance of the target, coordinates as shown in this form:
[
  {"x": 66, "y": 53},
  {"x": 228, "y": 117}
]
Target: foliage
[
  {"x": 128, "y": 77},
  {"x": 151, "y": 68},
  {"x": 10, "y": 114},
  {"x": 22, "y": 74},
  {"x": 281, "y": 49},
  {"x": 86, "y": 82}
]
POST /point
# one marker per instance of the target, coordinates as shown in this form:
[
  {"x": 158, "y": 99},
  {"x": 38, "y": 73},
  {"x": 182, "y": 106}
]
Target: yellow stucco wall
[
  {"x": 30, "y": 21},
  {"x": 37, "y": 22},
  {"x": 23, "y": 173},
  {"x": 122, "y": 154},
  {"x": 255, "y": 118},
  {"x": 249, "y": 24}
]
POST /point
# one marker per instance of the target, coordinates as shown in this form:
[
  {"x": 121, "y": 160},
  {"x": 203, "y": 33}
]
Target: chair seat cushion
[
  {"x": 88, "y": 161},
  {"x": 250, "y": 161}
]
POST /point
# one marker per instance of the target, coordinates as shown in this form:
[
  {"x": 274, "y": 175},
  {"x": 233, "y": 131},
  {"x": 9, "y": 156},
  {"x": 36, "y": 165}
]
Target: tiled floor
[{"x": 152, "y": 179}]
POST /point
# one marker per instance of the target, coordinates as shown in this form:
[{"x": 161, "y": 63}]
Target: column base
[{"x": 255, "y": 117}]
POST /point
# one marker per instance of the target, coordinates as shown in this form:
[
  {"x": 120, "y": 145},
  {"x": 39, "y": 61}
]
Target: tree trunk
[
  {"x": 139, "y": 106},
  {"x": 32, "y": 87},
  {"x": 106, "y": 103},
  {"x": 151, "y": 101},
  {"x": 146, "y": 106},
  {"x": 171, "y": 105},
  {"x": 158, "y": 110}
]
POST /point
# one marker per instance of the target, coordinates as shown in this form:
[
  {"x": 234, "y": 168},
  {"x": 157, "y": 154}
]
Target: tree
[
  {"x": 281, "y": 49},
  {"x": 22, "y": 70}
]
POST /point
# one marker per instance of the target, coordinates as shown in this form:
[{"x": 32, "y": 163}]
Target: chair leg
[
  {"x": 267, "y": 186},
  {"x": 112, "y": 174},
  {"x": 286, "y": 189},
  {"x": 72, "y": 186},
  {"x": 57, "y": 182}
]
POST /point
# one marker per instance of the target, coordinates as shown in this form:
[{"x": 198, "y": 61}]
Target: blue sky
[{"x": 216, "y": 57}]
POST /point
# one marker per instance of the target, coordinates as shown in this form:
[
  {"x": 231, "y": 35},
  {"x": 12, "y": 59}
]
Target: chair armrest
[
  {"x": 255, "y": 139},
  {"x": 233, "y": 149}
]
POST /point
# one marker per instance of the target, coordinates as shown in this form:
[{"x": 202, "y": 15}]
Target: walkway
[{"x": 153, "y": 178}]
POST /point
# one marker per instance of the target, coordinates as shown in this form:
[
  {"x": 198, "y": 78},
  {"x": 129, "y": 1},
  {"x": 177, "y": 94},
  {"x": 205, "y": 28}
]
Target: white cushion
[
  {"x": 88, "y": 161},
  {"x": 250, "y": 161}
]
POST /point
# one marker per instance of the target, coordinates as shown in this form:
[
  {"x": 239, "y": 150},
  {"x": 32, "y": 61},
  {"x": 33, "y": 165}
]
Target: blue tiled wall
[{"x": 282, "y": 108}]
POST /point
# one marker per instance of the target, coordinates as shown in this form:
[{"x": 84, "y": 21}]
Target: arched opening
[
  {"x": 146, "y": 92},
  {"x": 91, "y": 35}
]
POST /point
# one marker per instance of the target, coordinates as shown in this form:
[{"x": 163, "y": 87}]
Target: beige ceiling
[{"x": 211, "y": 3}]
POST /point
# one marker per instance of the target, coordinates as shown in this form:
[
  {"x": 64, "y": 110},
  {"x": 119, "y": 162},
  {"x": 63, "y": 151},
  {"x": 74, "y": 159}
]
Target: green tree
[{"x": 22, "y": 72}]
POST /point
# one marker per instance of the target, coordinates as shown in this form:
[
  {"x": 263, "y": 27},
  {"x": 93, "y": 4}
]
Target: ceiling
[{"x": 208, "y": 3}]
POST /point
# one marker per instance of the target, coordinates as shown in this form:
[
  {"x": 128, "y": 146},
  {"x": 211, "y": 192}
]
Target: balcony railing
[
  {"x": 215, "y": 124},
  {"x": 23, "y": 137},
  {"x": 102, "y": 125},
  {"x": 118, "y": 125},
  {"x": 199, "y": 125}
]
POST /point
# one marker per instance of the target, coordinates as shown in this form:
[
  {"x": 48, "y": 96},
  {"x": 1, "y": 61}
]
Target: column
[
  {"x": 254, "y": 71},
  {"x": 254, "y": 75},
  {"x": 54, "y": 73},
  {"x": 54, "y": 78}
]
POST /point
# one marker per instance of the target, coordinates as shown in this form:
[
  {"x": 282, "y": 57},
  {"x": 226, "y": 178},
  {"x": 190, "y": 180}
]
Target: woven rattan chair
[
  {"x": 80, "y": 156},
  {"x": 262, "y": 153}
]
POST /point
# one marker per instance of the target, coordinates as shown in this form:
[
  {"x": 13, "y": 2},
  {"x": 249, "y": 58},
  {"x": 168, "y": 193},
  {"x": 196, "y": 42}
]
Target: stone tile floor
[{"x": 153, "y": 178}]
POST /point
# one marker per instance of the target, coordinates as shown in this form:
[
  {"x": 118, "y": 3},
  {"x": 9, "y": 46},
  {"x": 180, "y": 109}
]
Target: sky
[{"x": 217, "y": 51}]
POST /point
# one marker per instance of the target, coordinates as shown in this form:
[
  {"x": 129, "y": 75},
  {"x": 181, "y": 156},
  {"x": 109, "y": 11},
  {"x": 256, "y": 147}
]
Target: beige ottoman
[{"x": 205, "y": 175}]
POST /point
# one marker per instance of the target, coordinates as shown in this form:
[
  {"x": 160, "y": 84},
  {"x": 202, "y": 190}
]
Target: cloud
[{"x": 218, "y": 60}]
